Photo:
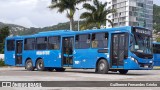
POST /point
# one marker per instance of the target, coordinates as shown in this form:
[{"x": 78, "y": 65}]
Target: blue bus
[
  {"x": 156, "y": 53},
  {"x": 113, "y": 49}
]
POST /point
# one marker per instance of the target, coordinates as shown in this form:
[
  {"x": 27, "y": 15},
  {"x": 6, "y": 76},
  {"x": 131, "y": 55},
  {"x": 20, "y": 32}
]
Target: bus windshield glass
[{"x": 142, "y": 42}]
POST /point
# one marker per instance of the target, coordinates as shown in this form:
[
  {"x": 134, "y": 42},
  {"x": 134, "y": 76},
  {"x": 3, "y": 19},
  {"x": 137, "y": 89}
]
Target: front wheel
[
  {"x": 40, "y": 65},
  {"x": 123, "y": 71},
  {"x": 102, "y": 67}
]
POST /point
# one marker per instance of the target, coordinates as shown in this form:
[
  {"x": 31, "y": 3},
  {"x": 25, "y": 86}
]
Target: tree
[
  {"x": 67, "y": 5},
  {"x": 4, "y": 32},
  {"x": 96, "y": 14},
  {"x": 158, "y": 39},
  {"x": 156, "y": 16}
]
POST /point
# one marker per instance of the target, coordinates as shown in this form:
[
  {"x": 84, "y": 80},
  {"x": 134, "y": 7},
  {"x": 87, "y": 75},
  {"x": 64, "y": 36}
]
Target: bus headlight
[
  {"x": 150, "y": 61},
  {"x": 133, "y": 59}
]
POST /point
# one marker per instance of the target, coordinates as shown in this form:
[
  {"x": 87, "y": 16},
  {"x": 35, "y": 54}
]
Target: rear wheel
[
  {"x": 123, "y": 71},
  {"x": 60, "y": 69},
  {"x": 29, "y": 65},
  {"x": 102, "y": 67},
  {"x": 40, "y": 65}
]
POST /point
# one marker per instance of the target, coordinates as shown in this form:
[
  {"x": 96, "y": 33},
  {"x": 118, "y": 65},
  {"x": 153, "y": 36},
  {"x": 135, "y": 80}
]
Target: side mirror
[{"x": 136, "y": 47}]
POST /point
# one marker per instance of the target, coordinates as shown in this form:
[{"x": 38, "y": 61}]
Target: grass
[{"x": 1, "y": 63}]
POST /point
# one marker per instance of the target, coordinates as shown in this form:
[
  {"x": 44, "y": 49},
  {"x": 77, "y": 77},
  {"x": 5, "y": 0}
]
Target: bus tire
[
  {"x": 123, "y": 71},
  {"x": 29, "y": 65},
  {"x": 102, "y": 67},
  {"x": 60, "y": 69},
  {"x": 40, "y": 65}
]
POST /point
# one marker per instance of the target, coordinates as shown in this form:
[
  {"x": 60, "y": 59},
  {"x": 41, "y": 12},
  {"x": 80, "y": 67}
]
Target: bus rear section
[
  {"x": 13, "y": 51},
  {"x": 156, "y": 54}
]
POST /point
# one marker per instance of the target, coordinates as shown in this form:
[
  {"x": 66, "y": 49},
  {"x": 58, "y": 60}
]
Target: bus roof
[{"x": 68, "y": 32}]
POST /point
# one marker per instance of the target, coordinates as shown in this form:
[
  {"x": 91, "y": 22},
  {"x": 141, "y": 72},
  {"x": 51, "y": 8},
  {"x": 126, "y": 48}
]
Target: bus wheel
[
  {"x": 102, "y": 67},
  {"x": 29, "y": 65},
  {"x": 123, "y": 71},
  {"x": 40, "y": 65},
  {"x": 60, "y": 69}
]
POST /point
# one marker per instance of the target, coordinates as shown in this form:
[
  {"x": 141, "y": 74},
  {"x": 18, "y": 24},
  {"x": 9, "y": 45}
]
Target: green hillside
[{"x": 19, "y": 30}]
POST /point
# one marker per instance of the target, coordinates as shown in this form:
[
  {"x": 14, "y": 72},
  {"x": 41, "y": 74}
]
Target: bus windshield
[{"x": 142, "y": 42}]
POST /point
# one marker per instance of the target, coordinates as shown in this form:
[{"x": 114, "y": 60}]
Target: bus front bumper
[{"x": 133, "y": 64}]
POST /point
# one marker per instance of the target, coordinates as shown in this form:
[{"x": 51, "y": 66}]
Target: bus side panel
[
  {"x": 50, "y": 58},
  {"x": 87, "y": 58},
  {"x": 29, "y": 55},
  {"x": 53, "y": 59},
  {"x": 156, "y": 59},
  {"x": 93, "y": 57},
  {"x": 83, "y": 58},
  {"x": 10, "y": 58}
]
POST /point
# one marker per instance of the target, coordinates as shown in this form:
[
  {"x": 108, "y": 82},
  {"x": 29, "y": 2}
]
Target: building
[
  {"x": 131, "y": 13},
  {"x": 1, "y": 56}
]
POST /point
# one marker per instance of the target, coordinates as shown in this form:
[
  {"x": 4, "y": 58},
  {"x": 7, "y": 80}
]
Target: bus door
[
  {"x": 67, "y": 51},
  {"x": 119, "y": 49},
  {"x": 18, "y": 52}
]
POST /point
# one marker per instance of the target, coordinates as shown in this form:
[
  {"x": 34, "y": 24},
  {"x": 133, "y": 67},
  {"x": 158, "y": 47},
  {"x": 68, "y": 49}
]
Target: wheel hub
[
  {"x": 29, "y": 64},
  {"x": 40, "y": 65},
  {"x": 101, "y": 66}
]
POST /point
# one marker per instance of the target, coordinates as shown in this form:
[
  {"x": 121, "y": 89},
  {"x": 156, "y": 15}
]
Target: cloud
[
  {"x": 156, "y": 2},
  {"x": 31, "y": 13}
]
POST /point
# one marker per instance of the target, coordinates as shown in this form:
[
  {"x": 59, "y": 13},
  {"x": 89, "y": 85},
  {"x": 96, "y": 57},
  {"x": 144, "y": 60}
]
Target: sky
[{"x": 34, "y": 13}]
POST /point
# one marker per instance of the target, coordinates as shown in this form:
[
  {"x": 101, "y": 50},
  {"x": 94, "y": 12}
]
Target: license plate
[{"x": 145, "y": 66}]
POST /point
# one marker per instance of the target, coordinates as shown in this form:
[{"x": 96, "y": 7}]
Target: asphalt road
[{"x": 20, "y": 74}]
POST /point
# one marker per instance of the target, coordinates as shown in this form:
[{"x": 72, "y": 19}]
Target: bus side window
[
  {"x": 29, "y": 44},
  {"x": 94, "y": 42},
  {"x": 105, "y": 40},
  {"x": 76, "y": 43},
  {"x": 100, "y": 40},
  {"x": 54, "y": 42},
  {"x": 41, "y": 43},
  {"x": 10, "y": 45},
  {"x": 82, "y": 41}
]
